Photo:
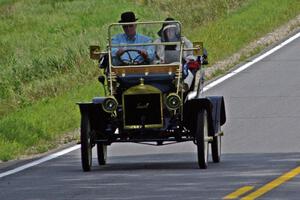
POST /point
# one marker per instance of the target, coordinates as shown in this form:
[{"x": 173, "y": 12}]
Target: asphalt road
[{"x": 261, "y": 143}]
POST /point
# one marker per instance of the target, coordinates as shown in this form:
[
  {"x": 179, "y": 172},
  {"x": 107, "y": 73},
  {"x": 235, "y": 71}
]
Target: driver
[{"x": 132, "y": 55}]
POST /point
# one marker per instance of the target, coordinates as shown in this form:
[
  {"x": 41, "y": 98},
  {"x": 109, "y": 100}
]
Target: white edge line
[
  {"x": 245, "y": 66},
  {"x": 209, "y": 86},
  {"x": 39, "y": 161}
]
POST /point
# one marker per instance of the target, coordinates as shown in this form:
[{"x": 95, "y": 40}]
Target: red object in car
[{"x": 193, "y": 65}]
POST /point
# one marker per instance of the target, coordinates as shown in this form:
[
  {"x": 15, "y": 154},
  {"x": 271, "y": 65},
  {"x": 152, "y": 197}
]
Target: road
[{"x": 261, "y": 143}]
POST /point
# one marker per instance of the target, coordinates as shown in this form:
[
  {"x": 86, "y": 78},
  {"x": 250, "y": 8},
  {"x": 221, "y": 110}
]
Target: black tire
[
  {"x": 102, "y": 153},
  {"x": 86, "y": 146},
  {"x": 216, "y": 149},
  {"x": 200, "y": 135}
]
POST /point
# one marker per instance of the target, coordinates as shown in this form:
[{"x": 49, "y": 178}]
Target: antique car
[{"x": 146, "y": 102}]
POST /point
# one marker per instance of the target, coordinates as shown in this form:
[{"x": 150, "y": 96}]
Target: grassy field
[
  {"x": 44, "y": 61},
  {"x": 44, "y": 44},
  {"x": 253, "y": 20},
  {"x": 38, "y": 128}
]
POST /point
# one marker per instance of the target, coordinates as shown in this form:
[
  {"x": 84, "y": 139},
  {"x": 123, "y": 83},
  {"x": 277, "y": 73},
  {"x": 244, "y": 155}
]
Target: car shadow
[{"x": 182, "y": 161}]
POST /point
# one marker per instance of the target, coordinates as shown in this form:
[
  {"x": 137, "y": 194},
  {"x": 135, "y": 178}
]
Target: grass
[
  {"x": 44, "y": 46},
  {"x": 45, "y": 67},
  {"x": 44, "y": 60},
  {"x": 34, "y": 128},
  {"x": 253, "y": 20},
  {"x": 44, "y": 43}
]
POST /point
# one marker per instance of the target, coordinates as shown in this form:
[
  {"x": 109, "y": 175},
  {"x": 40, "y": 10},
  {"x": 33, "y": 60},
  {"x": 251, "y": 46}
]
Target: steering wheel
[{"x": 132, "y": 61}]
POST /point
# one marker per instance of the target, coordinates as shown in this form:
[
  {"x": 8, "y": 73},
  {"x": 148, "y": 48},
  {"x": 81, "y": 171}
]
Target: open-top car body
[{"x": 146, "y": 102}]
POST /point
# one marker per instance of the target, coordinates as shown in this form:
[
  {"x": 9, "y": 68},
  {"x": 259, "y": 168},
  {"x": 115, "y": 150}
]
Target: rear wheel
[
  {"x": 216, "y": 149},
  {"x": 200, "y": 137},
  {"x": 86, "y": 144},
  {"x": 102, "y": 153}
]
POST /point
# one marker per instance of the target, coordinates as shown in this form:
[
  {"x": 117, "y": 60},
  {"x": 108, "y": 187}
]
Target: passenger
[
  {"x": 170, "y": 32},
  {"x": 144, "y": 55}
]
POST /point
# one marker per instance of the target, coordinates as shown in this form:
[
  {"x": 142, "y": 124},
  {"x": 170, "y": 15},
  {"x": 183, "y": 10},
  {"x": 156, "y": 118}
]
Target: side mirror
[
  {"x": 199, "y": 50},
  {"x": 95, "y": 52}
]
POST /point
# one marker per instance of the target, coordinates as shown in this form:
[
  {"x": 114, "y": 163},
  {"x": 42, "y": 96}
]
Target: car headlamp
[
  {"x": 110, "y": 104},
  {"x": 173, "y": 101}
]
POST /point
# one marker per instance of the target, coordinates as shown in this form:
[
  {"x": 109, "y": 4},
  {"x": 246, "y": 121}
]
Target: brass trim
[
  {"x": 142, "y": 89},
  {"x": 95, "y": 52},
  {"x": 198, "y": 48},
  {"x": 180, "y": 101},
  {"x": 208, "y": 139},
  {"x": 220, "y": 134},
  {"x": 180, "y": 69},
  {"x": 148, "y": 22},
  {"x": 148, "y": 44},
  {"x": 110, "y": 73},
  {"x": 146, "y": 126},
  {"x": 145, "y": 69},
  {"x": 114, "y": 99},
  {"x": 122, "y": 71}
]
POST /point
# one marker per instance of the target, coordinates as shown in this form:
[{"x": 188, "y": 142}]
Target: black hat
[
  {"x": 128, "y": 17},
  {"x": 159, "y": 33}
]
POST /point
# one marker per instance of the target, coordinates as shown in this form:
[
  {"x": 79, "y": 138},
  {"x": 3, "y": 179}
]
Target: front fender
[
  {"x": 97, "y": 116},
  {"x": 215, "y": 108},
  {"x": 219, "y": 113}
]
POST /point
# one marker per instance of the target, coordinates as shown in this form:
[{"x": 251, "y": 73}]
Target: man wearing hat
[{"x": 144, "y": 55}]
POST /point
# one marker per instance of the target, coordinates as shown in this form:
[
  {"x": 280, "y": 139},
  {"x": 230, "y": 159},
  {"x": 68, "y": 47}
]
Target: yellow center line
[
  {"x": 273, "y": 184},
  {"x": 238, "y": 192}
]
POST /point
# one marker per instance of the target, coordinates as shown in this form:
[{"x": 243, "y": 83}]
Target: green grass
[
  {"x": 34, "y": 128},
  {"x": 45, "y": 67},
  {"x": 44, "y": 46},
  {"x": 253, "y": 20},
  {"x": 44, "y": 61},
  {"x": 44, "y": 43}
]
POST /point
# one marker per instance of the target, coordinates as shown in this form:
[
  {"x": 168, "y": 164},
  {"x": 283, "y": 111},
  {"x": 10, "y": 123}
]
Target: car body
[{"x": 147, "y": 103}]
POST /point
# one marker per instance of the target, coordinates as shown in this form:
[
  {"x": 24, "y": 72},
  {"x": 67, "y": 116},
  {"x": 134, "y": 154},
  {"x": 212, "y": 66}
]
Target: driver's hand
[
  {"x": 120, "y": 51},
  {"x": 144, "y": 54}
]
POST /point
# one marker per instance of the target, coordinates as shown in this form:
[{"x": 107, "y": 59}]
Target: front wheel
[
  {"x": 86, "y": 146},
  {"x": 200, "y": 137}
]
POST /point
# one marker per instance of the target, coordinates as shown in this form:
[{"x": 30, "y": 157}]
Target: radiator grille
[{"x": 142, "y": 109}]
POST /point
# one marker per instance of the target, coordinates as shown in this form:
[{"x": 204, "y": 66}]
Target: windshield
[{"x": 144, "y": 43}]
